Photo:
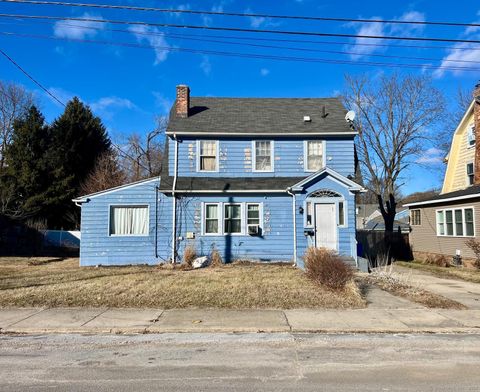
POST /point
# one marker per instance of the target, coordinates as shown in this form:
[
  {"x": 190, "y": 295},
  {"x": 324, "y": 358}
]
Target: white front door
[{"x": 326, "y": 226}]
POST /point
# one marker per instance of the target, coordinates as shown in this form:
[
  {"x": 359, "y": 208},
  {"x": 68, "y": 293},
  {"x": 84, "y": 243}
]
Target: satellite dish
[{"x": 350, "y": 116}]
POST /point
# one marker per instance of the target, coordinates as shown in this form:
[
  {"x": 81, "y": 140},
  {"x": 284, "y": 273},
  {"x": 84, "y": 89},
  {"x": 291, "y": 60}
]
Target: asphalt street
[{"x": 240, "y": 362}]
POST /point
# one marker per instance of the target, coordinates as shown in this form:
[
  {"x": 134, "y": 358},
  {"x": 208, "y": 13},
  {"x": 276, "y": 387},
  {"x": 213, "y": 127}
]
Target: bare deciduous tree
[
  {"x": 14, "y": 101},
  {"x": 394, "y": 120},
  {"x": 106, "y": 174},
  {"x": 142, "y": 156}
]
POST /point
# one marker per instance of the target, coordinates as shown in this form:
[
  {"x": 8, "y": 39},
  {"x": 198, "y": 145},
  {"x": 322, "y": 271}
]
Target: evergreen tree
[
  {"x": 28, "y": 168},
  {"x": 78, "y": 139}
]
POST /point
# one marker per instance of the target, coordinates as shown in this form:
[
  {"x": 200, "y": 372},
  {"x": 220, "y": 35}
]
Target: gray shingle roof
[
  {"x": 280, "y": 116},
  {"x": 226, "y": 184},
  {"x": 471, "y": 191}
]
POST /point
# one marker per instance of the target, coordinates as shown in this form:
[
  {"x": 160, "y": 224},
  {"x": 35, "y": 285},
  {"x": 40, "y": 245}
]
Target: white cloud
[
  {"x": 206, "y": 65},
  {"x": 154, "y": 38},
  {"x": 112, "y": 102},
  {"x": 163, "y": 103},
  {"x": 264, "y": 71},
  {"x": 432, "y": 156},
  {"x": 365, "y": 46},
  {"x": 77, "y": 29},
  {"x": 461, "y": 54}
]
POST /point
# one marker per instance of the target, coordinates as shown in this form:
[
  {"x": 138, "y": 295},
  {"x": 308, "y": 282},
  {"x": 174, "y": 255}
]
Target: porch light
[{"x": 300, "y": 210}]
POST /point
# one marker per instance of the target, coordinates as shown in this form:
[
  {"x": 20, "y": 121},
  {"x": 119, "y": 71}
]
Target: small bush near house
[
  {"x": 189, "y": 255},
  {"x": 215, "y": 259},
  {"x": 474, "y": 245},
  {"x": 438, "y": 260},
  {"x": 326, "y": 268}
]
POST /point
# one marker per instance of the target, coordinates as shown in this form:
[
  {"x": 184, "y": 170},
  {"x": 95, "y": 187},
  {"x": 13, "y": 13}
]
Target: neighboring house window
[
  {"x": 129, "y": 220},
  {"x": 470, "y": 174},
  {"x": 457, "y": 222},
  {"x": 212, "y": 219},
  {"x": 253, "y": 214},
  {"x": 314, "y": 155},
  {"x": 471, "y": 136},
  {"x": 263, "y": 155},
  {"x": 415, "y": 218},
  {"x": 208, "y": 155},
  {"x": 341, "y": 213},
  {"x": 232, "y": 219}
]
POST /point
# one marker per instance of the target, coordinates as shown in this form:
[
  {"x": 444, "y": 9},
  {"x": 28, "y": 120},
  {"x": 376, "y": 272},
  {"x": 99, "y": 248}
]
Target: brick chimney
[
  {"x": 476, "y": 117},
  {"x": 182, "y": 104}
]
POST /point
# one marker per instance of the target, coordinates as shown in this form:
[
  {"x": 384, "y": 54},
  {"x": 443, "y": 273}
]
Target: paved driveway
[{"x": 467, "y": 293}]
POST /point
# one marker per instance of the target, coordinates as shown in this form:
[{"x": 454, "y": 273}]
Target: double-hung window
[
  {"x": 415, "y": 218},
  {"x": 471, "y": 136},
  {"x": 470, "y": 174},
  {"x": 232, "y": 219},
  {"x": 253, "y": 214},
  {"x": 208, "y": 155},
  {"x": 313, "y": 155},
  {"x": 263, "y": 155},
  {"x": 212, "y": 219},
  {"x": 129, "y": 220},
  {"x": 457, "y": 222}
]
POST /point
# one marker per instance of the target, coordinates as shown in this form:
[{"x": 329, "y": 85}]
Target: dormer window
[
  {"x": 263, "y": 156},
  {"x": 208, "y": 155},
  {"x": 471, "y": 136},
  {"x": 314, "y": 155}
]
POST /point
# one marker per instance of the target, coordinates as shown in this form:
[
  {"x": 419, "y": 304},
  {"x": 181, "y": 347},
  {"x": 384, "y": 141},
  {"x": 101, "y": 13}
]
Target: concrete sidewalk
[{"x": 370, "y": 320}]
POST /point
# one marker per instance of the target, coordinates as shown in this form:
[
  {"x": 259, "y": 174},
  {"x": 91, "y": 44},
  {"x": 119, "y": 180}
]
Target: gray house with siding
[{"x": 255, "y": 178}]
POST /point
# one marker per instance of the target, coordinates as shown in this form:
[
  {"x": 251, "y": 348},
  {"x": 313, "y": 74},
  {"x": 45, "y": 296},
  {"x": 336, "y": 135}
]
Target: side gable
[
  {"x": 83, "y": 199},
  {"x": 459, "y": 155}
]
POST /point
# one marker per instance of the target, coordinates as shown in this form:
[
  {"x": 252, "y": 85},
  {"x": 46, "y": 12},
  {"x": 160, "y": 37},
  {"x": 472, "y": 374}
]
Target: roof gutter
[
  {"x": 235, "y": 134},
  {"x": 439, "y": 201}
]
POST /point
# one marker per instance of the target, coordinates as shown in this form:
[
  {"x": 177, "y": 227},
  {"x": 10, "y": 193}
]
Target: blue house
[{"x": 255, "y": 178}]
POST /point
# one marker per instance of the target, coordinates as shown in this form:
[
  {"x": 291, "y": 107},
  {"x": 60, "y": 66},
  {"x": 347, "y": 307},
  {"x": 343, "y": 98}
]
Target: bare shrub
[
  {"x": 438, "y": 260},
  {"x": 474, "y": 245},
  {"x": 327, "y": 268},
  {"x": 189, "y": 255},
  {"x": 215, "y": 258}
]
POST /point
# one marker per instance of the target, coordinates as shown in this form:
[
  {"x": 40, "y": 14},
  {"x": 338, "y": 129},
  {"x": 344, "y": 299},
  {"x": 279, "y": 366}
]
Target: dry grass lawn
[
  {"x": 468, "y": 274},
  {"x": 59, "y": 283}
]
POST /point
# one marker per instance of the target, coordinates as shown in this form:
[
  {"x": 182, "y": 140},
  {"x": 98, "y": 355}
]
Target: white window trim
[
  {"x": 217, "y": 160},
  {"x": 345, "y": 215},
  {"x": 221, "y": 216},
  {"x": 305, "y": 155},
  {"x": 254, "y": 156},
  {"x": 127, "y": 205},
  {"x": 471, "y": 127},
  {"x": 305, "y": 213},
  {"x": 219, "y": 219},
  {"x": 260, "y": 214},
  {"x": 411, "y": 217},
  {"x": 464, "y": 223}
]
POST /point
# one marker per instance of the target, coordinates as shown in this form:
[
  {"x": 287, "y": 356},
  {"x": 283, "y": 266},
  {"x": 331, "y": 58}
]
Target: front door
[{"x": 325, "y": 226}]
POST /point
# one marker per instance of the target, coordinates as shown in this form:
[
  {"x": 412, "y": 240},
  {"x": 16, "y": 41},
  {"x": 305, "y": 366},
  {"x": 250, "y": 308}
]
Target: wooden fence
[{"x": 373, "y": 244}]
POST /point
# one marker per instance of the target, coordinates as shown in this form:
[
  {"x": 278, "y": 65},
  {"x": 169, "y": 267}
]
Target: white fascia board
[
  {"x": 83, "y": 199},
  {"x": 351, "y": 185},
  {"x": 226, "y": 191},
  {"x": 458, "y": 198},
  {"x": 235, "y": 134}
]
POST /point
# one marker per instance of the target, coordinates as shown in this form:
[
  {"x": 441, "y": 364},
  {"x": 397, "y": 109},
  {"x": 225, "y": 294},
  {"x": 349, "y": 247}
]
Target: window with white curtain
[
  {"x": 212, "y": 218},
  {"x": 314, "y": 155},
  {"x": 263, "y": 155},
  {"x": 208, "y": 155},
  {"x": 129, "y": 220}
]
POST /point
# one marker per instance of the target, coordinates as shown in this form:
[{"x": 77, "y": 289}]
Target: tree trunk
[{"x": 388, "y": 211}]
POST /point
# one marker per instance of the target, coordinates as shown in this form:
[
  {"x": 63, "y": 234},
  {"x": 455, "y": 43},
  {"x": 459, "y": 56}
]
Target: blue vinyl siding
[{"x": 235, "y": 157}]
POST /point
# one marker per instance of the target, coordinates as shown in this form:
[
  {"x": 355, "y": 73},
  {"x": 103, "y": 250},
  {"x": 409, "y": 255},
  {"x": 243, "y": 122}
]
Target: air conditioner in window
[{"x": 253, "y": 230}]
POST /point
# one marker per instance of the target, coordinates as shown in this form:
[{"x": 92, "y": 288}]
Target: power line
[
  {"x": 238, "y": 14},
  {"x": 31, "y": 77},
  {"x": 198, "y": 38},
  {"x": 153, "y": 33},
  {"x": 242, "y": 30},
  {"x": 247, "y": 55}
]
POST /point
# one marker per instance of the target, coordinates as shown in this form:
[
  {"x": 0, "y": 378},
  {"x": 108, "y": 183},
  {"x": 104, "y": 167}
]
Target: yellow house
[
  {"x": 461, "y": 158},
  {"x": 442, "y": 225}
]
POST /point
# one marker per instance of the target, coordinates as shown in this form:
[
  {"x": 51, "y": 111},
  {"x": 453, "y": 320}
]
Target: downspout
[
  {"x": 294, "y": 210},
  {"x": 174, "y": 202},
  {"x": 156, "y": 222}
]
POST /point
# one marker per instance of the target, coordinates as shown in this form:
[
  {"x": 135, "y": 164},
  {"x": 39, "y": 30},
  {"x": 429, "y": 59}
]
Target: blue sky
[{"x": 128, "y": 86}]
